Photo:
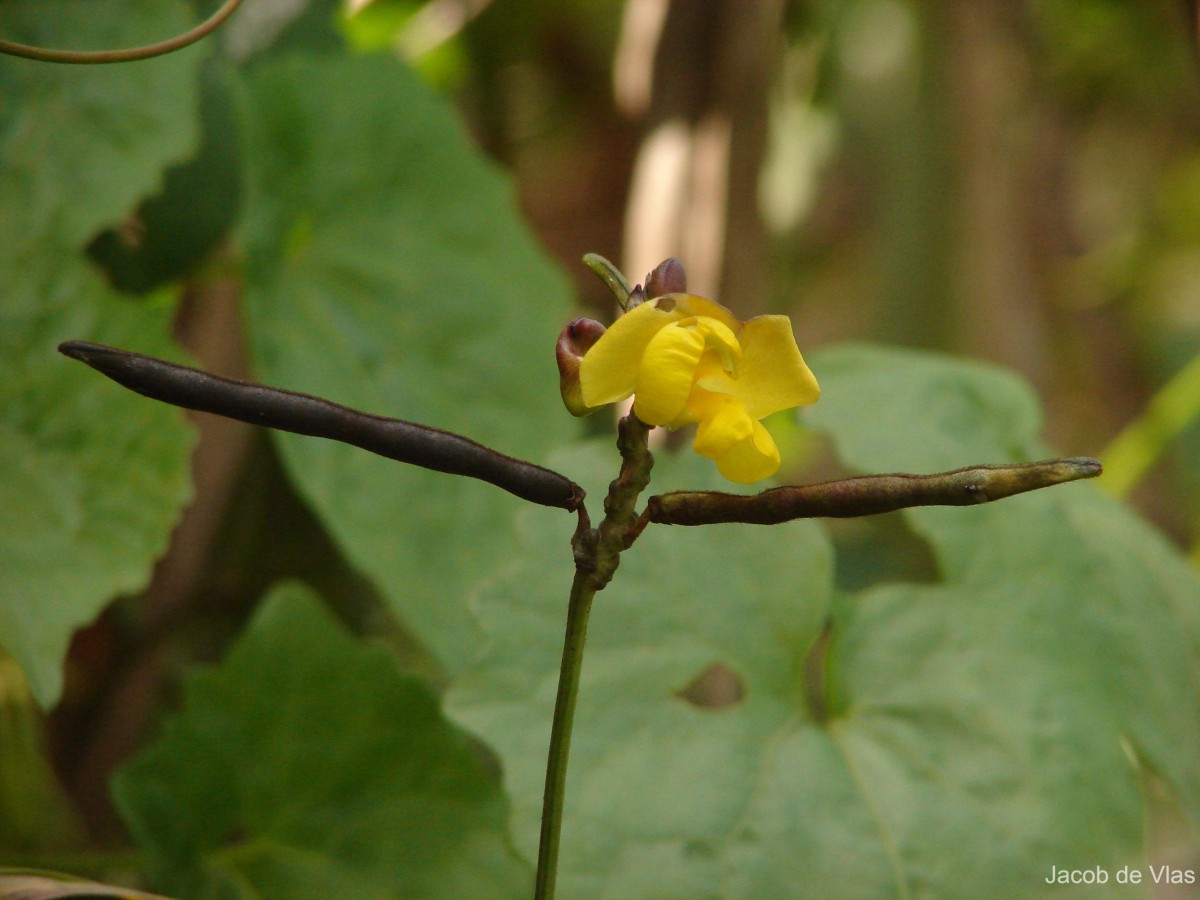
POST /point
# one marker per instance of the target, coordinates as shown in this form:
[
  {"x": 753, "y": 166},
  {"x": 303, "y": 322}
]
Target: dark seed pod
[
  {"x": 868, "y": 495},
  {"x": 420, "y": 445}
]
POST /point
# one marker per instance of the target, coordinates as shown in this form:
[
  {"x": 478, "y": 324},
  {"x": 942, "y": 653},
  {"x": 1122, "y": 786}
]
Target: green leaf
[
  {"x": 387, "y": 269},
  {"x": 659, "y": 777},
  {"x": 307, "y": 765},
  {"x": 1013, "y": 705},
  {"x": 956, "y": 739},
  {"x": 79, "y": 145},
  {"x": 95, "y": 476},
  {"x": 927, "y": 412}
]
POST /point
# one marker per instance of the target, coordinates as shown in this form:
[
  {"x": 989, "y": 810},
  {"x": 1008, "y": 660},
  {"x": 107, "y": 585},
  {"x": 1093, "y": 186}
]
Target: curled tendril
[{"x": 130, "y": 54}]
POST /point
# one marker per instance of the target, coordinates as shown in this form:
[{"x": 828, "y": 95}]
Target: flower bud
[
  {"x": 574, "y": 341},
  {"x": 668, "y": 277}
]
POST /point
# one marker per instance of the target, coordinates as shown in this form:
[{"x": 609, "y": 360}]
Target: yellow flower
[{"x": 686, "y": 359}]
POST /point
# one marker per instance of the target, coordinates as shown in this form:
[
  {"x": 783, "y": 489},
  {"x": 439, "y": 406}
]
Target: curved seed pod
[
  {"x": 868, "y": 495},
  {"x": 420, "y": 445}
]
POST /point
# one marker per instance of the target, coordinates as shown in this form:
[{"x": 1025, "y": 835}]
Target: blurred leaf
[
  {"x": 279, "y": 28},
  {"x": 35, "y": 815},
  {"x": 923, "y": 411},
  {"x": 387, "y": 269},
  {"x": 307, "y": 765},
  {"x": 374, "y": 27},
  {"x": 79, "y": 145},
  {"x": 978, "y": 731}
]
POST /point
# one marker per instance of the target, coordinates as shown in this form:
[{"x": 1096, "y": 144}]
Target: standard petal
[
  {"x": 608, "y": 371},
  {"x": 664, "y": 378},
  {"x": 772, "y": 375},
  {"x": 723, "y": 424},
  {"x": 755, "y": 458}
]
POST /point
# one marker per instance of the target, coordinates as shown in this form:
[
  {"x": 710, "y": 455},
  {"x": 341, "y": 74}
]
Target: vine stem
[{"x": 130, "y": 54}]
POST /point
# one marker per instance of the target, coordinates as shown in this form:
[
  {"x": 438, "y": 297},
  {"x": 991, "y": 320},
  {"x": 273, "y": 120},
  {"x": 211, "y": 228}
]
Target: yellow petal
[
  {"x": 719, "y": 340},
  {"x": 664, "y": 378},
  {"x": 712, "y": 376},
  {"x": 695, "y": 305},
  {"x": 755, "y": 458},
  {"x": 723, "y": 423},
  {"x": 721, "y": 360},
  {"x": 608, "y": 371},
  {"x": 772, "y": 375}
]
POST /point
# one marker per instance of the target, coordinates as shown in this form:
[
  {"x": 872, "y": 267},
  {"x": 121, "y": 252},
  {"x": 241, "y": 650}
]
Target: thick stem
[{"x": 597, "y": 553}]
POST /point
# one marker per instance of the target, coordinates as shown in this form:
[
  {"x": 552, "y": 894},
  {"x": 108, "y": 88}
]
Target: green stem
[
  {"x": 579, "y": 608},
  {"x": 597, "y": 554}
]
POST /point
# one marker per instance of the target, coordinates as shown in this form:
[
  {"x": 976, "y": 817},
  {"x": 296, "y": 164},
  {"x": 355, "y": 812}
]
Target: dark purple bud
[{"x": 668, "y": 277}]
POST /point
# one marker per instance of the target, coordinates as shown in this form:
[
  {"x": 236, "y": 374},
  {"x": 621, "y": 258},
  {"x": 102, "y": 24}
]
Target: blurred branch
[
  {"x": 437, "y": 22},
  {"x": 1132, "y": 452},
  {"x": 698, "y": 73},
  {"x": 16, "y": 884}
]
